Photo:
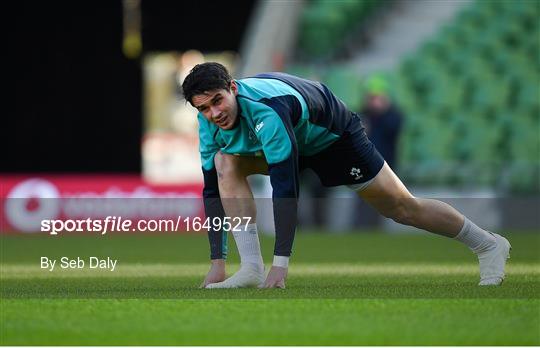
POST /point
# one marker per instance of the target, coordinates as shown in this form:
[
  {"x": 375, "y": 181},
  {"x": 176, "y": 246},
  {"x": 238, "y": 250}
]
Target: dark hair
[{"x": 205, "y": 77}]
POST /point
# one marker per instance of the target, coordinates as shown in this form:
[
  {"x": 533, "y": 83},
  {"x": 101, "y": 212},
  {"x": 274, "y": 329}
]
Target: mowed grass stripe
[
  {"x": 15, "y": 271},
  {"x": 270, "y": 322}
]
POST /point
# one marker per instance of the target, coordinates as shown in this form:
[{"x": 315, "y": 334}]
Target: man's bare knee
[
  {"x": 230, "y": 166},
  {"x": 227, "y": 166}
]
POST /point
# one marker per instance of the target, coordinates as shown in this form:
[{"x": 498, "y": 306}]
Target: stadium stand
[
  {"x": 471, "y": 95},
  {"x": 325, "y": 23}
]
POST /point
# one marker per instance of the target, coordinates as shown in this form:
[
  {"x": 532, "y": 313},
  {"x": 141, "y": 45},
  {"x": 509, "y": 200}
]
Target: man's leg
[
  {"x": 392, "y": 199},
  {"x": 238, "y": 202}
]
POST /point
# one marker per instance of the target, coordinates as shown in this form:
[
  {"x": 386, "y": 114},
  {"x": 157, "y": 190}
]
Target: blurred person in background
[
  {"x": 382, "y": 119},
  {"x": 278, "y": 124}
]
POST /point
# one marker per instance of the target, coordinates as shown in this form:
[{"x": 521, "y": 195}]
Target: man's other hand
[{"x": 276, "y": 278}]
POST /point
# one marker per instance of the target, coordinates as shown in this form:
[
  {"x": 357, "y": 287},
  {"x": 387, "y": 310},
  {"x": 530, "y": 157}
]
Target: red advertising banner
[{"x": 28, "y": 200}]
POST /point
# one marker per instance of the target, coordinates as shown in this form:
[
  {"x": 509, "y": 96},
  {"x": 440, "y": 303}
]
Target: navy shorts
[{"x": 351, "y": 160}]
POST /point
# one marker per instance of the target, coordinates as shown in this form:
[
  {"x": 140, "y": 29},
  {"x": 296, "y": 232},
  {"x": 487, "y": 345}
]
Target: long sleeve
[
  {"x": 276, "y": 135},
  {"x": 212, "y": 201}
]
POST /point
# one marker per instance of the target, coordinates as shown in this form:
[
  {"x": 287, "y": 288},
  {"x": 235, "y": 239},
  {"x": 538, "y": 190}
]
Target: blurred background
[{"x": 449, "y": 92}]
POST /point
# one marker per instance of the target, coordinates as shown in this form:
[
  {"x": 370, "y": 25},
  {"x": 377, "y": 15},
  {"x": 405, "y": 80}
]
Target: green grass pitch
[{"x": 351, "y": 289}]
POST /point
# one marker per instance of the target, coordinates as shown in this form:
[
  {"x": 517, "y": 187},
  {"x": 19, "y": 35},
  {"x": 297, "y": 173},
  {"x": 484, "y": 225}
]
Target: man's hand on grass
[
  {"x": 276, "y": 278},
  {"x": 216, "y": 273}
]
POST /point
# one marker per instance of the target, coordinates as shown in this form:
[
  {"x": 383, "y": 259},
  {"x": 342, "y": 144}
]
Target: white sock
[
  {"x": 247, "y": 241},
  {"x": 477, "y": 239}
]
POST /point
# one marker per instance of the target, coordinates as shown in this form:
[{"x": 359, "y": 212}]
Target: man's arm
[
  {"x": 277, "y": 137},
  {"x": 212, "y": 203},
  {"x": 211, "y": 198},
  {"x": 284, "y": 180}
]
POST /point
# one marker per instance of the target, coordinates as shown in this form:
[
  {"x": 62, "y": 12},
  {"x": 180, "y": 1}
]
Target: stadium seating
[
  {"x": 325, "y": 23},
  {"x": 471, "y": 95},
  {"x": 482, "y": 71}
]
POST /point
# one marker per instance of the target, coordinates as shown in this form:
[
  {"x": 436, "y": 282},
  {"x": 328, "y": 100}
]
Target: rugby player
[{"x": 278, "y": 125}]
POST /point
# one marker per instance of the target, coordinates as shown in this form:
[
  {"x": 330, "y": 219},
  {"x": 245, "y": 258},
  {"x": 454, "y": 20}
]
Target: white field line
[{"x": 17, "y": 271}]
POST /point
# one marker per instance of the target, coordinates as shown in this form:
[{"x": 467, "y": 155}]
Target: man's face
[{"x": 218, "y": 106}]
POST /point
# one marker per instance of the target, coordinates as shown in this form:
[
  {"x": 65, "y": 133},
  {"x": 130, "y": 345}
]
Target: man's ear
[{"x": 234, "y": 87}]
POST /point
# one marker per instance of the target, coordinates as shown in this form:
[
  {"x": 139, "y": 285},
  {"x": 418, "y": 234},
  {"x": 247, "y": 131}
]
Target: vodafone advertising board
[{"x": 28, "y": 200}]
